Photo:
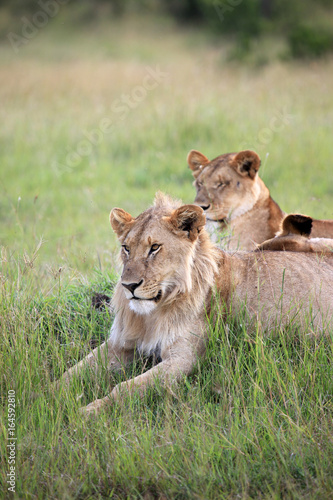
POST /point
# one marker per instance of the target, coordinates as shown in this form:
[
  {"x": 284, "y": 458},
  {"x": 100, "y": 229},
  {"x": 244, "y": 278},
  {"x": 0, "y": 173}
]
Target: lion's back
[{"x": 283, "y": 285}]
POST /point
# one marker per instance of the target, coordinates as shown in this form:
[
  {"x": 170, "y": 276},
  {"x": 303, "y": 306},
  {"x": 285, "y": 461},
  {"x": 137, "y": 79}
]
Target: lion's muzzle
[{"x": 131, "y": 287}]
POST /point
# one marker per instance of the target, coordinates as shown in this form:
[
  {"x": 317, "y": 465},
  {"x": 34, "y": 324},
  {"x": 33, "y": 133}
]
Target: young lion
[
  {"x": 236, "y": 200},
  {"x": 294, "y": 236},
  {"x": 172, "y": 274}
]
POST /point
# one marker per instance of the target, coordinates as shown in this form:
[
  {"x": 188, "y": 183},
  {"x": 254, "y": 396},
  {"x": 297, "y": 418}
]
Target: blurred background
[{"x": 102, "y": 100}]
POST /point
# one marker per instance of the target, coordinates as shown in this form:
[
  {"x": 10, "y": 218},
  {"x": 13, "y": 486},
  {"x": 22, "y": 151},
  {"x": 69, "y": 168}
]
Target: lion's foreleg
[
  {"x": 165, "y": 373},
  {"x": 105, "y": 355}
]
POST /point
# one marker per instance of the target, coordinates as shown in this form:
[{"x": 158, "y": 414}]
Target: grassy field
[{"x": 104, "y": 116}]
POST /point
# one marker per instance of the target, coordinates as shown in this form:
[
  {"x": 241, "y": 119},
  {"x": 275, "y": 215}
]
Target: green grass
[{"x": 255, "y": 419}]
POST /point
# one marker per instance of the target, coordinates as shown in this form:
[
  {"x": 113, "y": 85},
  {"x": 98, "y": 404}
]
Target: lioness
[
  {"x": 235, "y": 199},
  {"x": 294, "y": 236},
  {"x": 173, "y": 274}
]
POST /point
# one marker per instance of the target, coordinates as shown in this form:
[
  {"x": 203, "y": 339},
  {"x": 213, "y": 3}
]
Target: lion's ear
[
  {"x": 246, "y": 163},
  {"x": 197, "y": 162},
  {"x": 188, "y": 220},
  {"x": 296, "y": 224},
  {"x": 120, "y": 220}
]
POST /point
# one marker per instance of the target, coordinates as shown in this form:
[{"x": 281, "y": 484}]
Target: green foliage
[
  {"x": 297, "y": 23},
  {"x": 309, "y": 42},
  {"x": 228, "y": 16},
  {"x": 186, "y": 10}
]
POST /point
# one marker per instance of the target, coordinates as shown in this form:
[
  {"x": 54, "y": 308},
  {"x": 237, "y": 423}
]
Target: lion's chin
[{"x": 142, "y": 306}]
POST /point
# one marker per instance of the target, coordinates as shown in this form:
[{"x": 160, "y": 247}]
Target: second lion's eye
[{"x": 126, "y": 248}]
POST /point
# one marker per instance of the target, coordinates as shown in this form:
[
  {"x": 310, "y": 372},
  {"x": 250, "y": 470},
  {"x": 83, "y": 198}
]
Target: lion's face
[
  {"x": 157, "y": 250},
  {"x": 226, "y": 186}
]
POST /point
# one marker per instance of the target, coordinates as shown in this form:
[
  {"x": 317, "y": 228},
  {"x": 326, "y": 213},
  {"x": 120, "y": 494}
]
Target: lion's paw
[{"x": 93, "y": 408}]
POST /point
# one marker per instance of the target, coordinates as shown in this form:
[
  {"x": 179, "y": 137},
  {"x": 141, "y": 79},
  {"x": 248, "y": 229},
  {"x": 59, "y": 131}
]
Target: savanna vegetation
[{"x": 101, "y": 115}]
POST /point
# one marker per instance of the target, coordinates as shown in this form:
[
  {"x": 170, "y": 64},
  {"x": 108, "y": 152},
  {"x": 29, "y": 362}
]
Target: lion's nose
[
  {"x": 132, "y": 286},
  {"x": 204, "y": 207}
]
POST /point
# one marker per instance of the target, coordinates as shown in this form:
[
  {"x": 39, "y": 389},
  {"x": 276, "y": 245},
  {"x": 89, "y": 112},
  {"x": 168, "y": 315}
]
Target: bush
[
  {"x": 233, "y": 16},
  {"x": 310, "y": 42}
]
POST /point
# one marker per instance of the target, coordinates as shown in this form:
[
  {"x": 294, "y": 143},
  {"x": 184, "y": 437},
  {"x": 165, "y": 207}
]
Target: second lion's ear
[
  {"x": 246, "y": 163},
  {"x": 196, "y": 162},
  {"x": 120, "y": 221}
]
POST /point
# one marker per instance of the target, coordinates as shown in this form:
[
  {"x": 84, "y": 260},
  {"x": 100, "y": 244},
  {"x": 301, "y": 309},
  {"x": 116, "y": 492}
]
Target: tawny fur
[
  {"x": 240, "y": 211},
  {"x": 322, "y": 228},
  {"x": 167, "y": 253}
]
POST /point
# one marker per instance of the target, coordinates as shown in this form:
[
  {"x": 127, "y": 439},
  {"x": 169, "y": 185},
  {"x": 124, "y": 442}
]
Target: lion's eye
[
  {"x": 126, "y": 248},
  {"x": 154, "y": 248},
  {"x": 220, "y": 184}
]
